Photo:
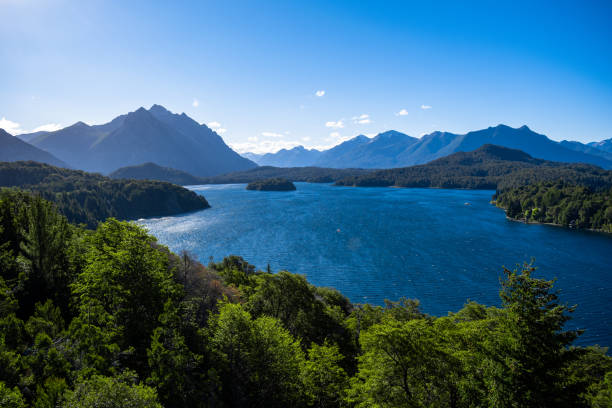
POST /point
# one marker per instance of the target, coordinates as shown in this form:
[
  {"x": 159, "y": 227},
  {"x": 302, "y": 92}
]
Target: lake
[{"x": 384, "y": 243}]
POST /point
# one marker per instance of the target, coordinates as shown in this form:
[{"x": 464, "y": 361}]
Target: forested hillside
[
  {"x": 488, "y": 167},
  {"x": 110, "y": 318},
  {"x": 561, "y": 203},
  {"x": 308, "y": 174},
  {"x": 89, "y": 198},
  {"x": 151, "y": 171}
]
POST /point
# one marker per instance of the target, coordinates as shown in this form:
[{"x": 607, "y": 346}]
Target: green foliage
[
  {"x": 560, "y": 203},
  {"x": 124, "y": 286},
  {"x": 325, "y": 381},
  {"x": 111, "y": 392},
  {"x": 489, "y": 167},
  {"x": 258, "y": 359},
  {"x": 403, "y": 365},
  {"x": 89, "y": 198},
  {"x": 10, "y": 398},
  {"x": 110, "y": 318},
  {"x": 272, "y": 184}
]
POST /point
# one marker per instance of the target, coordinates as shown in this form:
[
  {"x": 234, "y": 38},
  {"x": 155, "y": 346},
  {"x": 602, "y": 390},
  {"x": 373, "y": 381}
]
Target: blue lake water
[{"x": 384, "y": 243}]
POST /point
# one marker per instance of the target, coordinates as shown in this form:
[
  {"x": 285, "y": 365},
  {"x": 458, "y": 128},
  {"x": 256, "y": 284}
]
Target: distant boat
[{"x": 467, "y": 203}]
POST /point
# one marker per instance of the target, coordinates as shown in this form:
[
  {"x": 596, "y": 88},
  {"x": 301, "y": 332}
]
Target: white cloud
[
  {"x": 403, "y": 112},
  {"x": 252, "y": 138},
  {"x": 49, "y": 127},
  {"x": 271, "y": 134},
  {"x": 213, "y": 125},
  {"x": 363, "y": 119},
  {"x": 425, "y": 107},
  {"x": 220, "y": 131},
  {"x": 336, "y": 125},
  {"x": 264, "y": 146},
  {"x": 195, "y": 103},
  {"x": 320, "y": 93},
  {"x": 14, "y": 128},
  {"x": 306, "y": 139},
  {"x": 335, "y": 135}
]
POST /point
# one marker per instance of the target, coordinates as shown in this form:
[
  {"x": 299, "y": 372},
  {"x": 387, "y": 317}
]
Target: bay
[{"x": 442, "y": 247}]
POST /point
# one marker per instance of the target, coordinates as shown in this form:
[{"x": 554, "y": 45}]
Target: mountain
[
  {"x": 488, "y": 167},
  {"x": 14, "y": 149},
  {"x": 394, "y": 149},
  {"x": 605, "y": 145},
  {"x": 151, "y": 171},
  {"x": 296, "y": 157},
  {"x": 363, "y": 152},
  {"x": 155, "y": 135},
  {"x": 589, "y": 148}
]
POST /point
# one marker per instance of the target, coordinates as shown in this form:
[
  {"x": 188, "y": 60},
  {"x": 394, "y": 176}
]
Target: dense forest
[
  {"x": 489, "y": 167},
  {"x": 562, "y": 203},
  {"x": 110, "y": 318},
  {"x": 306, "y": 174},
  {"x": 88, "y": 197},
  {"x": 152, "y": 171},
  {"x": 273, "y": 184}
]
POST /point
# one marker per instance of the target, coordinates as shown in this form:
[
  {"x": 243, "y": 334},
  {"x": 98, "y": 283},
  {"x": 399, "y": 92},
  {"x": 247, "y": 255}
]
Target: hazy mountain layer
[
  {"x": 155, "y": 135},
  {"x": 14, "y": 149},
  {"x": 394, "y": 149}
]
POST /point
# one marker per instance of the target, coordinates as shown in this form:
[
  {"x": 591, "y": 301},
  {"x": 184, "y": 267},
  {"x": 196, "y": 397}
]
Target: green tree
[
  {"x": 123, "y": 288},
  {"x": 258, "y": 360},
  {"x": 325, "y": 381},
  {"x": 111, "y": 392},
  {"x": 11, "y": 398},
  {"x": 530, "y": 345},
  {"x": 403, "y": 365}
]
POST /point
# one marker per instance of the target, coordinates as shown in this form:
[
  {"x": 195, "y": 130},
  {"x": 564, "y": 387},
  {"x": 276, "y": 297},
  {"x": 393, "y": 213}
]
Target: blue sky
[{"x": 253, "y": 69}]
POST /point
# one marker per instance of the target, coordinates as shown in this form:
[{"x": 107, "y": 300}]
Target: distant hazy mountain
[
  {"x": 296, "y": 157},
  {"x": 154, "y": 135},
  {"x": 13, "y": 149},
  {"x": 362, "y": 152},
  {"x": 488, "y": 167},
  {"x": 589, "y": 148},
  {"x": 151, "y": 171},
  {"x": 394, "y": 149},
  {"x": 605, "y": 145}
]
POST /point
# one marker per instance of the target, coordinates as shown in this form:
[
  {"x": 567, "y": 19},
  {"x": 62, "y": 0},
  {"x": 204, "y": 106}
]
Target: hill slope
[
  {"x": 488, "y": 167},
  {"x": 14, "y": 149},
  {"x": 151, "y": 171},
  {"x": 155, "y": 135},
  {"x": 88, "y": 198}
]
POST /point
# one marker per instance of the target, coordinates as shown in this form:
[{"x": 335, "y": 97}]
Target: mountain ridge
[
  {"x": 153, "y": 135},
  {"x": 14, "y": 149},
  {"x": 394, "y": 149}
]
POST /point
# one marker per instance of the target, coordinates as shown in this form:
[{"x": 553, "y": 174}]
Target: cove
[{"x": 442, "y": 247}]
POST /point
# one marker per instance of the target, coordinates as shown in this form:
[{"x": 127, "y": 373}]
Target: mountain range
[
  {"x": 488, "y": 167},
  {"x": 13, "y": 149},
  {"x": 154, "y": 135},
  {"x": 394, "y": 149}
]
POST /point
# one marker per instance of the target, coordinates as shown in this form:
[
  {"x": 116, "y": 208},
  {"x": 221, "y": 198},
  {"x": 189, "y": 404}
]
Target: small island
[{"x": 272, "y": 184}]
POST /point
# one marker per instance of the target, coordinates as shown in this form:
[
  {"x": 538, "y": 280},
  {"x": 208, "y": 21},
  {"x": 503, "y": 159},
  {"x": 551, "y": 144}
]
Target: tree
[
  {"x": 111, "y": 392},
  {"x": 123, "y": 288},
  {"x": 45, "y": 239},
  {"x": 258, "y": 360},
  {"x": 529, "y": 344},
  {"x": 325, "y": 381},
  {"x": 403, "y": 365},
  {"x": 11, "y": 398}
]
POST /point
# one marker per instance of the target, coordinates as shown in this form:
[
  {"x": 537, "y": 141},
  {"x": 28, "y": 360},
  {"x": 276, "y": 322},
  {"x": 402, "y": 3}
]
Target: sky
[{"x": 274, "y": 74}]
